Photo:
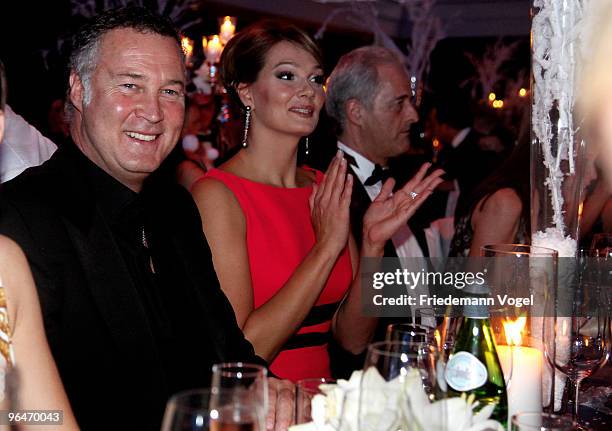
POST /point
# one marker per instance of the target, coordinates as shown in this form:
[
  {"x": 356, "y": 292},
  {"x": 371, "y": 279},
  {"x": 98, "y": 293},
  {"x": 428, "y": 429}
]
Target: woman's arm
[
  {"x": 40, "y": 387},
  {"x": 272, "y": 324},
  {"x": 497, "y": 221}
]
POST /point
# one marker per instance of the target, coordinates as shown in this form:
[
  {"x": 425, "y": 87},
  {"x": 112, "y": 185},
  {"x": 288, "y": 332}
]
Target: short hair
[
  {"x": 245, "y": 54},
  {"x": 2, "y": 87},
  {"x": 356, "y": 77},
  {"x": 86, "y": 40}
]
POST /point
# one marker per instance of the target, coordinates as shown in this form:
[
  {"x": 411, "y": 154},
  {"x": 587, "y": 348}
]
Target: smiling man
[{"x": 131, "y": 303}]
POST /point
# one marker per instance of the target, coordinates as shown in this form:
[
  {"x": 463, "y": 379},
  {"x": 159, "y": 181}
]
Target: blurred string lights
[{"x": 499, "y": 103}]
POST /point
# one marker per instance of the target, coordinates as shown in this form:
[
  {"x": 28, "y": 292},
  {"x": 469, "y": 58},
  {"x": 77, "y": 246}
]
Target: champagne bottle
[{"x": 474, "y": 368}]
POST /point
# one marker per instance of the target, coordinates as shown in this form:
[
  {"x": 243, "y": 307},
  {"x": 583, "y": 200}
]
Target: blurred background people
[{"x": 497, "y": 210}]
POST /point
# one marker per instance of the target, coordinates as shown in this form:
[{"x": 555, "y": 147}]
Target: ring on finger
[{"x": 413, "y": 195}]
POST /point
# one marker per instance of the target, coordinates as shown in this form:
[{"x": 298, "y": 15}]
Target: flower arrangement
[{"x": 367, "y": 402}]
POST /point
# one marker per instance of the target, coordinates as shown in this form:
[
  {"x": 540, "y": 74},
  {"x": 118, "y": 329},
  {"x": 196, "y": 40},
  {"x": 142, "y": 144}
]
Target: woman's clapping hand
[{"x": 329, "y": 206}]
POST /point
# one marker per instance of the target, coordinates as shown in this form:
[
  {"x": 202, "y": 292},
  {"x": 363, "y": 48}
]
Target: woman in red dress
[{"x": 279, "y": 234}]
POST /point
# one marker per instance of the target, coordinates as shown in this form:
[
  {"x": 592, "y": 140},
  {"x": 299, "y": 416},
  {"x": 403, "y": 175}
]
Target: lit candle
[
  {"x": 227, "y": 29},
  {"x": 524, "y": 365},
  {"x": 213, "y": 49},
  {"x": 187, "y": 45}
]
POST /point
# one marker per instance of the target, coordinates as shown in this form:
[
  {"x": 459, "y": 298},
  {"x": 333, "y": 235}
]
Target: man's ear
[
  {"x": 354, "y": 112},
  {"x": 76, "y": 91},
  {"x": 244, "y": 92}
]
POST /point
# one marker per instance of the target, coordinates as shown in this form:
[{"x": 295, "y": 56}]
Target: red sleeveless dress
[{"x": 279, "y": 234}]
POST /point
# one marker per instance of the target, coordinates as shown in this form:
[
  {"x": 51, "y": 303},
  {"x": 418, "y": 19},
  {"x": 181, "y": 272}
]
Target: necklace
[{"x": 145, "y": 244}]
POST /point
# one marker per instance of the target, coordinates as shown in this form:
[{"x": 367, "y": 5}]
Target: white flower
[{"x": 401, "y": 403}]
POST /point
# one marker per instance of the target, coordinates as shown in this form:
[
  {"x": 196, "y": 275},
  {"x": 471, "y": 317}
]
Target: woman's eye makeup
[
  {"x": 318, "y": 79},
  {"x": 287, "y": 76}
]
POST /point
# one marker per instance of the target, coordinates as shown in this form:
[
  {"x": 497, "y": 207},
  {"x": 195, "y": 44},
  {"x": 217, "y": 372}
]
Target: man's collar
[
  {"x": 459, "y": 137},
  {"x": 364, "y": 167},
  {"x": 111, "y": 195}
]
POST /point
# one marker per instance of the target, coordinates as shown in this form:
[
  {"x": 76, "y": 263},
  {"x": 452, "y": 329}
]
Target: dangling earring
[
  {"x": 307, "y": 150},
  {"x": 247, "y": 124}
]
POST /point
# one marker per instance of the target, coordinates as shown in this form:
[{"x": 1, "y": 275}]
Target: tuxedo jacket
[
  {"x": 97, "y": 329},
  {"x": 343, "y": 363}
]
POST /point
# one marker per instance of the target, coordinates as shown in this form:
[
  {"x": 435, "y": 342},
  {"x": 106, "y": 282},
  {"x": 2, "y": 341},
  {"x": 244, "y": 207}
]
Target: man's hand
[{"x": 281, "y": 400}]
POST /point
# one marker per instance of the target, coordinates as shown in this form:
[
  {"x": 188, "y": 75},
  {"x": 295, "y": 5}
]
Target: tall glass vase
[{"x": 558, "y": 156}]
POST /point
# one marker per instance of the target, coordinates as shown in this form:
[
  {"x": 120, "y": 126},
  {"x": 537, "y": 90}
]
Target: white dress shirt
[
  {"x": 404, "y": 241},
  {"x": 22, "y": 146}
]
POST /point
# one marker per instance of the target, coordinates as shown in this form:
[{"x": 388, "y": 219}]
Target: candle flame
[
  {"x": 492, "y": 97},
  {"x": 227, "y": 29},
  {"x": 513, "y": 330},
  {"x": 522, "y": 92},
  {"x": 438, "y": 338},
  {"x": 436, "y": 143},
  {"x": 187, "y": 45}
]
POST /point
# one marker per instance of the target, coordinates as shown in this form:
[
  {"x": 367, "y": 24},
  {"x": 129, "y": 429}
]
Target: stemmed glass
[
  {"x": 398, "y": 386},
  {"x": 305, "y": 391},
  {"x": 532, "y": 421},
  {"x": 578, "y": 339},
  {"x": 240, "y": 378},
  {"x": 602, "y": 242},
  {"x": 203, "y": 410}
]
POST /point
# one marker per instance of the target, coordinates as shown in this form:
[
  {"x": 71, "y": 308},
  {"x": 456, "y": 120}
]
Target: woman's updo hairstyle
[{"x": 245, "y": 54}]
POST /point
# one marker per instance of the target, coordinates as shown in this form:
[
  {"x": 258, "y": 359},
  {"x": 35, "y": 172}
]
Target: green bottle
[{"x": 474, "y": 368}]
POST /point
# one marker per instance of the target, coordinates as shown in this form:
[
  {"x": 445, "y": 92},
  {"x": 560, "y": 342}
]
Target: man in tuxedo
[
  {"x": 368, "y": 97},
  {"x": 132, "y": 306}
]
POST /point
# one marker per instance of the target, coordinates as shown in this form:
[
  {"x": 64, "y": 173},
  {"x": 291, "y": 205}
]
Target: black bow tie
[{"x": 379, "y": 174}]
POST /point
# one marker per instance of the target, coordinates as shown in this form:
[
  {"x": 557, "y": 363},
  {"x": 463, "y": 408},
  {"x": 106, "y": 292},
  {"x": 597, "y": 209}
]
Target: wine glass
[
  {"x": 241, "y": 377},
  {"x": 305, "y": 391},
  {"x": 536, "y": 421},
  {"x": 398, "y": 388},
  {"x": 188, "y": 411},
  {"x": 201, "y": 410},
  {"x": 602, "y": 242},
  {"x": 577, "y": 341},
  {"x": 408, "y": 333}
]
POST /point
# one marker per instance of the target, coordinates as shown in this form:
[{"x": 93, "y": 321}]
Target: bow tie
[{"x": 379, "y": 174}]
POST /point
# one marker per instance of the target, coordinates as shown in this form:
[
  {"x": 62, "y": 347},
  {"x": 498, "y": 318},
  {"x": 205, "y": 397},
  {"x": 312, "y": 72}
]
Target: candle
[
  {"x": 524, "y": 367},
  {"x": 213, "y": 49},
  {"x": 187, "y": 45},
  {"x": 227, "y": 29}
]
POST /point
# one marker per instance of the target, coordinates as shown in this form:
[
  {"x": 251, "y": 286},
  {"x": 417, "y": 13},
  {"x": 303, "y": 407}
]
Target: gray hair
[{"x": 356, "y": 77}]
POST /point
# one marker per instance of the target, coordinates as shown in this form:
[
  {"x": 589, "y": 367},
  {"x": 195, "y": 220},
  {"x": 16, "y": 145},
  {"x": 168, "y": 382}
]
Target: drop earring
[
  {"x": 307, "y": 149},
  {"x": 247, "y": 124}
]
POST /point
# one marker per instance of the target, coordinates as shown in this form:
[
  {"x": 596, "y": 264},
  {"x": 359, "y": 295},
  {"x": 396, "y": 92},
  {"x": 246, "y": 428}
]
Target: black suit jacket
[
  {"x": 95, "y": 325},
  {"x": 343, "y": 362}
]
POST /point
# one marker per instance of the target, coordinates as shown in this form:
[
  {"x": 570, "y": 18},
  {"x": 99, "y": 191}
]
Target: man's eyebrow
[
  {"x": 175, "y": 82},
  {"x": 131, "y": 75},
  {"x": 401, "y": 98}
]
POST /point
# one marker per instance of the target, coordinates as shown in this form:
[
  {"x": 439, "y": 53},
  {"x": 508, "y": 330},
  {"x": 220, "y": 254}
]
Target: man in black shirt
[{"x": 132, "y": 305}]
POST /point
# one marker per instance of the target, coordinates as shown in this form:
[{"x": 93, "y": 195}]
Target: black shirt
[{"x": 124, "y": 338}]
